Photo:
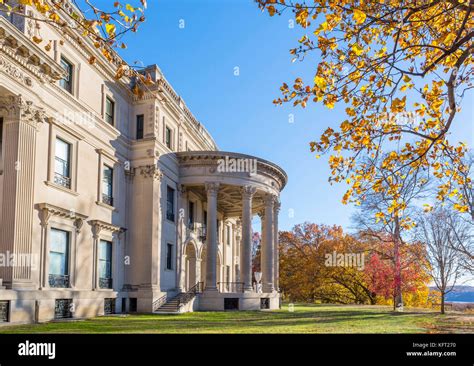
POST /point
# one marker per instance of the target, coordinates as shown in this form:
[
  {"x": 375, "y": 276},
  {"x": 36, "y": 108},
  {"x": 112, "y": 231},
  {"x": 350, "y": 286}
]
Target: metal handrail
[
  {"x": 186, "y": 297},
  {"x": 159, "y": 302}
]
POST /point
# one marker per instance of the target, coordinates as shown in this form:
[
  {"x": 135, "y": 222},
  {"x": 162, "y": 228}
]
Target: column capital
[
  {"x": 212, "y": 188},
  {"x": 248, "y": 191},
  {"x": 277, "y": 205},
  {"x": 18, "y": 108},
  {"x": 270, "y": 199}
]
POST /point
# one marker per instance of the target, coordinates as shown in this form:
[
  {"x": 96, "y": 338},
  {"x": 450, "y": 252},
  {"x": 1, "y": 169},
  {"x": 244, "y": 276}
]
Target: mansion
[{"x": 117, "y": 203}]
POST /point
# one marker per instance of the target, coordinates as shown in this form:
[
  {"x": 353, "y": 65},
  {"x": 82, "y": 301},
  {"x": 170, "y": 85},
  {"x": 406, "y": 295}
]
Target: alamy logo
[
  {"x": 335, "y": 259},
  {"x": 237, "y": 165},
  {"x": 37, "y": 349}
]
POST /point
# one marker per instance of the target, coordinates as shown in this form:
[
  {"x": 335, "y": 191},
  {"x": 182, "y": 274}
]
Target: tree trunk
[
  {"x": 442, "y": 303},
  {"x": 398, "y": 299}
]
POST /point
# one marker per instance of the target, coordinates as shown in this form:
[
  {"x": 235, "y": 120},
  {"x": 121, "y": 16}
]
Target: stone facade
[{"x": 114, "y": 203}]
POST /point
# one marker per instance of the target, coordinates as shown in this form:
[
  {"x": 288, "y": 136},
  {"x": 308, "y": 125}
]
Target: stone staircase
[{"x": 175, "y": 304}]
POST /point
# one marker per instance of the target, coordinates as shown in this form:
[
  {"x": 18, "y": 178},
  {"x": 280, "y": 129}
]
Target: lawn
[{"x": 304, "y": 319}]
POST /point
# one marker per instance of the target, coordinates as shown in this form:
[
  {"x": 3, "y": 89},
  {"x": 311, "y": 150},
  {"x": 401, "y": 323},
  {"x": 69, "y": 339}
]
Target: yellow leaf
[
  {"x": 357, "y": 49},
  {"x": 110, "y": 29},
  {"x": 359, "y": 16}
]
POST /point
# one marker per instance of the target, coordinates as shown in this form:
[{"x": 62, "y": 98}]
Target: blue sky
[{"x": 199, "y": 60}]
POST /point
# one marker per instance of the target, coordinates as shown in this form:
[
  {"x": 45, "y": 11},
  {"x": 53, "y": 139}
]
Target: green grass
[{"x": 305, "y": 319}]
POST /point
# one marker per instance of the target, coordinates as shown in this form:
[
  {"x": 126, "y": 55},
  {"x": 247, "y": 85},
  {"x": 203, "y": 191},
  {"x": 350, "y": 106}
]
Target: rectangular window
[
  {"x": 63, "y": 308},
  {"x": 107, "y": 185},
  {"x": 140, "y": 122},
  {"x": 59, "y": 259},
  {"x": 4, "y": 311},
  {"x": 109, "y": 111},
  {"x": 105, "y": 264},
  {"x": 228, "y": 234},
  {"x": 62, "y": 163},
  {"x": 169, "y": 256},
  {"x": 170, "y": 203},
  {"x": 66, "y": 82},
  {"x": 191, "y": 214},
  {"x": 168, "y": 136}
]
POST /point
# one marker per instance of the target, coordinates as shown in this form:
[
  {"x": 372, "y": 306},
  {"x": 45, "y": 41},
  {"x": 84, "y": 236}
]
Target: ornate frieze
[{"x": 8, "y": 68}]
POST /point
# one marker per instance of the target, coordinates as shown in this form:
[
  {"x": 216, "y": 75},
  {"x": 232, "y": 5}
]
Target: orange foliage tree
[{"x": 309, "y": 273}]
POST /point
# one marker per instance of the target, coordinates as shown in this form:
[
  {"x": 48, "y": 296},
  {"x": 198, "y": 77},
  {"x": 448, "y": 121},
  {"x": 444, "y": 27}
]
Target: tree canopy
[{"x": 401, "y": 69}]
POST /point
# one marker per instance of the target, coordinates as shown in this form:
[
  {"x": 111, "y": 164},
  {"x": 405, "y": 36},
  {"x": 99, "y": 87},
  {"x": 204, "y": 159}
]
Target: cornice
[
  {"x": 210, "y": 158},
  {"x": 16, "y": 46}
]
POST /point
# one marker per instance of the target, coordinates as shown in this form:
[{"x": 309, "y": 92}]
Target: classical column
[
  {"x": 276, "y": 252},
  {"x": 237, "y": 256},
  {"x": 268, "y": 245},
  {"x": 181, "y": 238},
  {"x": 95, "y": 255},
  {"x": 44, "y": 215},
  {"x": 21, "y": 123},
  {"x": 211, "y": 277},
  {"x": 263, "y": 247},
  {"x": 247, "y": 194}
]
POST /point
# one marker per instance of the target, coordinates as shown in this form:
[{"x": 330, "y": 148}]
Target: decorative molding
[
  {"x": 211, "y": 158},
  {"x": 19, "y": 48},
  {"x": 99, "y": 225},
  {"x": 151, "y": 171},
  {"x": 46, "y": 211},
  {"x": 8, "y": 68},
  {"x": 17, "y": 108}
]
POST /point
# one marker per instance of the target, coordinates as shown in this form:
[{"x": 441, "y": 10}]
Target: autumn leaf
[{"x": 359, "y": 16}]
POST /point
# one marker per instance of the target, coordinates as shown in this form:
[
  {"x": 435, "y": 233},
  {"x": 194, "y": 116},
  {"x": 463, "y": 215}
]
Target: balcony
[
  {"x": 59, "y": 281},
  {"x": 105, "y": 282},
  {"x": 62, "y": 180}
]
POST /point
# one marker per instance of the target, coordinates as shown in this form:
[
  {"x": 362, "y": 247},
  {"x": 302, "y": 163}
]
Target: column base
[
  {"x": 211, "y": 289},
  {"x": 248, "y": 289}
]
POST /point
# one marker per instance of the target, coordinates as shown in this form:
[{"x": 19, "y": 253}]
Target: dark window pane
[
  {"x": 140, "y": 121},
  {"x": 109, "y": 111},
  {"x": 66, "y": 82},
  {"x": 168, "y": 137},
  {"x": 170, "y": 204},
  {"x": 107, "y": 185},
  {"x": 169, "y": 256},
  {"x": 191, "y": 213}
]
